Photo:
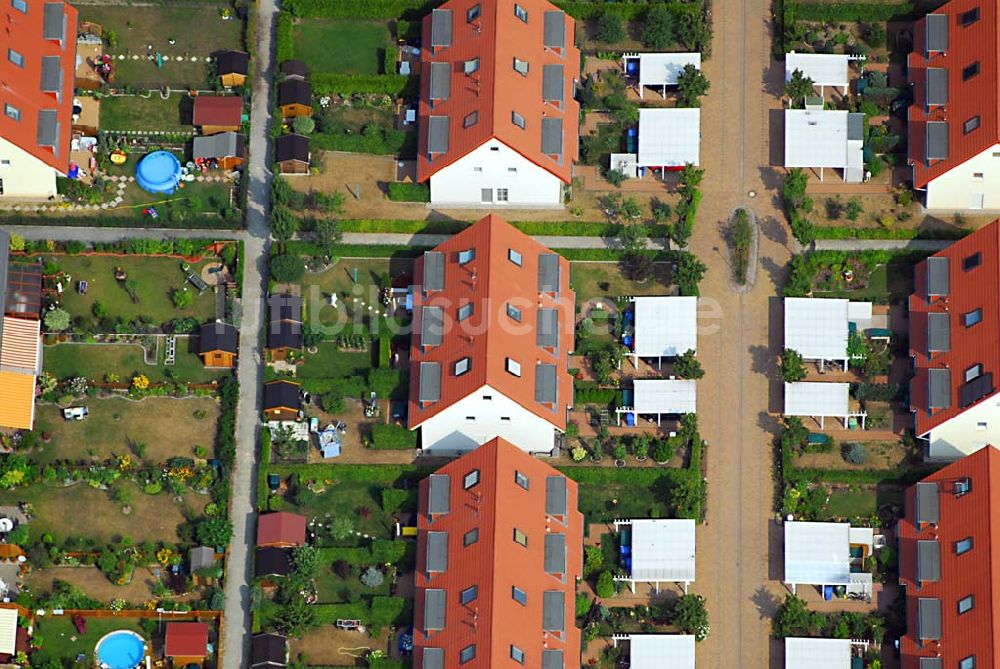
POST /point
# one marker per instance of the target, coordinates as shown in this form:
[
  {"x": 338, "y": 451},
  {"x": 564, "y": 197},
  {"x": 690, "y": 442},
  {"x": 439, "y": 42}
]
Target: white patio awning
[
  {"x": 665, "y": 326},
  {"x": 662, "y": 69},
  {"x": 815, "y": 399},
  {"x": 661, "y": 651},
  {"x": 822, "y": 138},
  {"x": 817, "y": 553},
  {"x": 665, "y": 396},
  {"x": 669, "y": 137},
  {"x": 816, "y": 327},
  {"x": 825, "y": 69},
  {"x": 663, "y": 550}
]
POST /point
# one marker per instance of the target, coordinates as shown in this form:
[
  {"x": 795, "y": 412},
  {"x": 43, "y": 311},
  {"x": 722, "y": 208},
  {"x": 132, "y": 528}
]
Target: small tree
[
  {"x": 658, "y": 32},
  {"x": 793, "y": 190},
  {"x": 687, "y": 497},
  {"x": 327, "y": 233},
  {"x": 305, "y": 561},
  {"x": 610, "y": 28},
  {"x": 692, "y": 30},
  {"x": 287, "y": 268},
  {"x": 593, "y": 559},
  {"x": 691, "y": 617},
  {"x": 798, "y": 87},
  {"x": 853, "y": 209},
  {"x": 342, "y": 527},
  {"x": 183, "y": 298},
  {"x": 663, "y": 450},
  {"x": 57, "y": 320},
  {"x": 688, "y": 273},
  {"x": 295, "y": 618},
  {"x": 215, "y": 531},
  {"x": 687, "y": 366},
  {"x": 284, "y": 225},
  {"x": 793, "y": 367},
  {"x": 637, "y": 266},
  {"x": 691, "y": 86},
  {"x": 854, "y": 453},
  {"x": 303, "y": 125},
  {"x": 605, "y": 587},
  {"x": 795, "y": 619}
]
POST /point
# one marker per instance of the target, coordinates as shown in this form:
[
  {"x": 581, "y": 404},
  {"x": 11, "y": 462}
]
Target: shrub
[
  {"x": 285, "y": 44},
  {"x": 57, "y": 320},
  {"x": 691, "y": 86},
  {"x": 372, "y": 577},
  {"x": 687, "y": 366},
  {"x": 610, "y": 28},
  {"x": 658, "y": 29},
  {"x": 854, "y": 453},
  {"x": 396, "y": 85},
  {"x": 583, "y": 604},
  {"x": 690, "y": 616},
  {"x": 342, "y": 528},
  {"x": 303, "y": 125},
  {"x": 392, "y": 437},
  {"x": 287, "y": 268},
  {"x": 605, "y": 587},
  {"x": 663, "y": 450},
  {"x": 688, "y": 272},
  {"x": 409, "y": 192},
  {"x": 853, "y": 209},
  {"x": 593, "y": 559},
  {"x": 793, "y": 368}
]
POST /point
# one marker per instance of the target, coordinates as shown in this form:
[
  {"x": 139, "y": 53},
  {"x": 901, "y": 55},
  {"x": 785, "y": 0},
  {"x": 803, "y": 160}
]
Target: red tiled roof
[
  {"x": 496, "y": 90},
  {"x": 495, "y": 564},
  {"x": 976, "y": 96},
  {"x": 218, "y": 110},
  {"x": 977, "y": 288},
  {"x": 186, "y": 640},
  {"x": 974, "y": 514},
  {"x": 281, "y": 528},
  {"x": 491, "y": 281},
  {"x": 20, "y": 86}
]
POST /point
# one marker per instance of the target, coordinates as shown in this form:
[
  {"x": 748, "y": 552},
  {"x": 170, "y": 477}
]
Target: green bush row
[
  {"x": 392, "y": 437},
  {"x": 382, "y": 551},
  {"x": 283, "y": 37},
  {"x": 409, "y": 192},
  {"x": 629, "y": 11},
  {"x": 595, "y": 395},
  {"x": 374, "y": 139},
  {"x": 534, "y": 228},
  {"x": 382, "y": 475},
  {"x": 852, "y": 232},
  {"x": 849, "y": 11},
  {"x": 397, "y": 85},
  {"x": 360, "y": 9},
  {"x": 197, "y": 222},
  {"x": 897, "y": 476},
  {"x": 638, "y": 476}
]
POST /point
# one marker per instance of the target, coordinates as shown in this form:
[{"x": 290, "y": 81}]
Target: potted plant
[
  {"x": 620, "y": 453},
  {"x": 640, "y": 447}
]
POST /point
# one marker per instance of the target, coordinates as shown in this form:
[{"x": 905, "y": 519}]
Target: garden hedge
[
  {"x": 397, "y": 85},
  {"x": 203, "y": 222},
  {"x": 534, "y": 228},
  {"x": 374, "y": 139},
  {"x": 409, "y": 192},
  {"x": 392, "y": 437},
  {"x": 412, "y": 10},
  {"x": 849, "y": 11},
  {"x": 852, "y": 232},
  {"x": 283, "y": 37},
  {"x": 382, "y": 475}
]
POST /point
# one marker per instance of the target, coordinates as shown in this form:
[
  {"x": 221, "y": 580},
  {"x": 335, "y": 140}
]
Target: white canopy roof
[
  {"x": 665, "y": 396},
  {"x": 808, "y": 398},
  {"x": 817, "y": 553},
  {"x": 665, "y": 326},
  {"x": 8, "y": 631},
  {"x": 803, "y": 653},
  {"x": 669, "y": 137},
  {"x": 816, "y": 327},
  {"x": 825, "y": 69},
  {"x": 661, "y": 651},
  {"x": 819, "y": 138},
  {"x": 658, "y": 69},
  {"x": 663, "y": 550}
]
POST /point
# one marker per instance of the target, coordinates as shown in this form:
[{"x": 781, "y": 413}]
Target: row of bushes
[
  {"x": 411, "y": 10},
  {"x": 392, "y": 437},
  {"x": 534, "y": 228},
  {"x": 373, "y": 139},
  {"x": 594, "y": 395},
  {"x": 136, "y": 246},
  {"x": 849, "y": 11},
  {"x": 852, "y": 232},
  {"x": 380, "y": 475},
  {"x": 409, "y": 192},
  {"x": 285, "y": 44},
  {"x": 382, "y": 551},
  {"x": 138, "y": 220},
  {"x": 397, "y": 85}
]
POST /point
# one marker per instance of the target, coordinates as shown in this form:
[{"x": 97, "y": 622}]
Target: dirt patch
[
  {"x": 881, "y": 455},
  {"x": 331, "y": 646},
  {"x": 96, "y": 585}
]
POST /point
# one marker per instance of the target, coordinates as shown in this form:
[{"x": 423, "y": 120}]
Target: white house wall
[
  {"x": 967, "y": 432},
  {"x": 462, "y": 182},
  {"x": 451, "y": 431},
  {"x": 961, "y": 187},
  {"x": 23, "y": 175}
]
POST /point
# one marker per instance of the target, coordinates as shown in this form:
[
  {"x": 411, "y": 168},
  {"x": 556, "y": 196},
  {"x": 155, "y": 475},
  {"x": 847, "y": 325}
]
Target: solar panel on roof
[
  {"x": 937, "y": 277},
  {"x": 928, "y": 504},
  {"x": 54, "y": 21},
  {"x": 931, "y": 663},
  {"x": 433, "y": 270},
  {"x": 928, "y": 560},
  {"x": 434, "y": 609},
  {"x": 552, "y": 136},
  {"x": 431, "y": 326},
  {"x": 937, "y": 86},
  {"x": 554, "y": 36},
  {"x": 928, "y": 619},
  {"x": 552, "y": 82},
  {"x": 440, "y": 81},
  {"x": 936, "y": 26},
  {"x": 48, "y": 129},
  {"x": 555, "y": 553},
  {"x": 437, "y": 134},
  {"x": 441, "y": 27},
  {"x": 938, "y": 389},
  {"x": 547, "y": 328},
  {"x": 430, "y": 382},
  {"x": 553, "y": 659},
  {"x": 437, "y": 552},
  {"x": 554, "y": 611},
  {"x": 937, "y": 140},
  {"x": 976, "y": 389},
  {"x": 555, "y": 495},
  {"x": 546, "y": 384},
  {"x": 433, "y": 658},
  {"x": 938, "y": 332},
  {"x": 439, "y": 494},
  {"x": 548, "y": 273},
  {"x": 52, "y": 75}
]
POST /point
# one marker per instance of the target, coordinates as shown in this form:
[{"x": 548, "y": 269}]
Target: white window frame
[
  {"x": 11, "y": 112},
  {"x": 515, "y": 313},
  {"x": 515, "y": 257},
  {"x": 966, "y": 604},
  {"x": 503, "y": 195},
  {"x": 522, "y": 480},
  {"x": 15, "y": 57},
  {"x": 463, "y": 365},
  {"x": 513, "y": 367},
  {"x": 520, "y": 12},
  {"x": 471, "y": 480}
]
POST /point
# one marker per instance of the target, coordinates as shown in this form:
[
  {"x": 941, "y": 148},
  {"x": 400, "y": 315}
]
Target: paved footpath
[{"x": 243, "y": 496}]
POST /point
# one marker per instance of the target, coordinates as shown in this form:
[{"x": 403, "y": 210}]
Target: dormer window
[
  {"x": 522, "y": 13},
  {"x": 517, "y": 120},
  {"x": 513, "y": 367},
  {"x": 471, "y": 66},
  {"x": 474, "y": 12},
  {"x": 466, "y": 256},
  {"x": 970, "y": 71},
  {"x": 521, "y": 67},
  {"x": 969, "y": 17}
]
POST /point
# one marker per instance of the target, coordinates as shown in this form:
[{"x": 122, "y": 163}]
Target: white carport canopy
[
  {"x": 817, "y": 328},
  {"x": 665, "y": 327},
  {"x": 817, "y": 553},
  {"x": 8, "y": 631},
  {"x": 662, "y": 550},
  {"x": 662, "y": 69},
  {"x": 659, "y": 651},
  {"x": 825, "y": 69},
  {"x": 662, "y": 397},
  {"x": 822, "y": 138},
  {"x": 669, "y": 137},
  {"x": 819, "y": 400},
  {"x": 801, "y": 653}
]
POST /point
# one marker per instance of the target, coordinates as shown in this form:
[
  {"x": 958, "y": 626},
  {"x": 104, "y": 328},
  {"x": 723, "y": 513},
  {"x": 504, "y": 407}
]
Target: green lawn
[
  {"x": 339, "y": 279},
  {"x": 331, "y": 363},
  {"x": 887, "y": 282},
  {"x": 94, "y": 361},
  {"x": 593, "y": 280},
  {"x": 156, "y": 278},
  {"x": 852, "y": 504},
  {"x": 358, "y": 501},
  {"x": 607, "y": 501},
  {"x": 169, "y": 427},
  {"x": 152, "y": 113},
  {"x": 348, "y": 47},
  {"x": 61, "y": 641},
  {"x": 197, "y": 30},
  {"x": 331, "y": 589}
]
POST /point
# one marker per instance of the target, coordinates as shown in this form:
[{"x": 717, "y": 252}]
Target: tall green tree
[
  {"x": 691, "y": 86},
  {"x": 798, "y": 88},
  {"x": 610, "y": 28},
  {"x": 658, "y": 33}
]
